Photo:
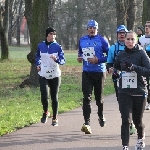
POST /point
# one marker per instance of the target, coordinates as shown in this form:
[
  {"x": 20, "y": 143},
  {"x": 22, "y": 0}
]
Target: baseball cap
[
  {"x": 122, "y": 27},
  {"x": 92, "y": 23}
]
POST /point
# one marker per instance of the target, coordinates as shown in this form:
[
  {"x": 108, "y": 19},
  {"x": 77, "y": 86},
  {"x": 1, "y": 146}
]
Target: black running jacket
[{"x": 141, "y": 65}]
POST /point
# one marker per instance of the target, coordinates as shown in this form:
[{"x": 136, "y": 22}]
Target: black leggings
[
  {"x": 89, "y": 81},
  {"x": 116, "y": 89},
  {"x": 131, "y": 107},
  {"x": 147, "y": 79},
  {"x": 50, "y": 86},
  {"x": 148, "y": 97}
]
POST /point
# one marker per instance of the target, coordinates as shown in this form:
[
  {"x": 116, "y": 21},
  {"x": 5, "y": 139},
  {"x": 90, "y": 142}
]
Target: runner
[
  {"x": 91, "y": 53},
  {"x": 140, "y": 32},
  {"x": 132, "y": 91},
  {"x": 48, "y": 58},
  {"x": 112, "y": 53},
  {"x": 145, "y": 43}
]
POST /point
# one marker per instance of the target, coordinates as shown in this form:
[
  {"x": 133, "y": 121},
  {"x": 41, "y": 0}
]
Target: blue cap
[
  {"x": 92, "y": 23},
  {"x": 122, "y": 27}
]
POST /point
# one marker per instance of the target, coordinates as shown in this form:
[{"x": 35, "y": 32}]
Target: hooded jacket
[{"x": 138, "y": 57}]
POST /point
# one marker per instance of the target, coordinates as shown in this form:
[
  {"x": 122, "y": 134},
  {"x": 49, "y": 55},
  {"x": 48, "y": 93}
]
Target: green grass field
[{"x": 22, "y": 107}]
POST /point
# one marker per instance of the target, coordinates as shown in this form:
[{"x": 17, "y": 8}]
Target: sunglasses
[
  {"x": 147, "y": 26},
  {"x": 121, "y": 32}
]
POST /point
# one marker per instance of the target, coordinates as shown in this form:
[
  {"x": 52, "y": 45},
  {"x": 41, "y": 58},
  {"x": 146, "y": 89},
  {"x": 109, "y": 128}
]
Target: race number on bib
[
  {"x": 129, "y": 79},
  {"x": 88, "y": 52},
  {"x": 48, "y": 71}
]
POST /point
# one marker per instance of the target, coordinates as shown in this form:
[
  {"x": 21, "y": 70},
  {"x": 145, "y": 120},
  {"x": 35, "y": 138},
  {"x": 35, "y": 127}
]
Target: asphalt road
[{"x": 68, "y": 135}]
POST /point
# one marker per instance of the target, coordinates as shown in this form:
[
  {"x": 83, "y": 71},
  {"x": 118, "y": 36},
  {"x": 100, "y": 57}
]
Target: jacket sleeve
[
  {"x": 110, "y": 58},
  {"x": 80, "y": 53},
  {"x": 38, "y": 57},
  {"x": 105, "y": 48},
  {"x": 143, "y": 70},
  {"x": 117, "y": 63},
  {"x": 61, "y": 59},
  {"x": 105, "y": 45}
]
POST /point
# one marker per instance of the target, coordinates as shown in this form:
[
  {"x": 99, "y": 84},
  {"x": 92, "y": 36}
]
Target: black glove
[
  {"x": 115, "y": 76},
  {"x": 127, "y": 65}
]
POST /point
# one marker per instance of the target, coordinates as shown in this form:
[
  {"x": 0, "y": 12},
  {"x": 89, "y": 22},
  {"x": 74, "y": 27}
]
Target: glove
[
  {"x": 115, "y": 76},
  {"x": 128, "y": 65}
]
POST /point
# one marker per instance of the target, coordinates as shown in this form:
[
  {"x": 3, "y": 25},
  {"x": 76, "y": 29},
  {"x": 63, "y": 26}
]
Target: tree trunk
[
  {"x": 120, "y": 12},
  {"x": 131, "y": 13},
  {"x": 4, "y": 46},
  {"x": 18, "y": 30},
  {"x": 80, "y": 7},
  {"x": 4, "y": 22},
  {"x": 146, "y": 12},
  {"x": 51, "y": 13},
  {"x": 36, "y": 14}
]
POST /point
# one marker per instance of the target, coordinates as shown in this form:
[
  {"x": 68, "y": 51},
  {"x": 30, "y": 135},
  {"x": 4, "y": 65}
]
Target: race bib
[
  {"x": 49, "y": 71},
  {"x": 129, "y": 79},
  {"x": 49, "y": 68},
  {"x": 88, "y": 52}
]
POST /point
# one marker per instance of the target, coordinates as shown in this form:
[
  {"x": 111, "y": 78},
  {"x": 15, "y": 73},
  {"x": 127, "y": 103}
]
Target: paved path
[{"x": 67, "y": 136}]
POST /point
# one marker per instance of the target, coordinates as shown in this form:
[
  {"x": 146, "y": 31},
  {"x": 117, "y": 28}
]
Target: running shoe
[
  {"x": 86, "y": 129},
  {"x": 125, "y": 148},
  {"x": 45, "y": 117},
  {"x": 147, "y": 107},
  {"x": 54, "y": 122},
  {"x": 140, "y": 144},
  {"x": 102, "y": 121}
]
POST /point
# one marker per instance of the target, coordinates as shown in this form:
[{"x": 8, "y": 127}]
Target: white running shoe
[
  {"x": 140, "y": 144},
  {"x": 125, "y": 148},
  {"x": 147, "y": 107}
]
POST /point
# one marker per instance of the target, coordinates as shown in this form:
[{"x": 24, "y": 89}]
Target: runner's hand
[
  {"x": 115, "y": 76},
  {"x": 80, "y": 59},
  {"x": 93, "y": 60},
  {"x": 128, "y": 65},
  {"x": 53, "y": 57}
]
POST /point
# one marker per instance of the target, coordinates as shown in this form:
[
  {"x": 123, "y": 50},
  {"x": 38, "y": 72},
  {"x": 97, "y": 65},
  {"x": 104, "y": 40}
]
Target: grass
[{"x": 22, "y": 107}]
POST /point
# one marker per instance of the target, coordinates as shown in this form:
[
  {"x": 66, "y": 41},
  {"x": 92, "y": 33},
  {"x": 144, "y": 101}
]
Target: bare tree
[
  {"x": 131, "y": 13},
  {"x": 126, "y": 12},
  {"x": 18, "y": 21},
  {"x": 80, "y": 6},
  {"x": 4, "y": 22},
  {"x": 51, "y": 12},
  {"x": 146, "y": 12},
  {"x": 73, "y": 15},
  {"x": 36, "y": 13},
  {"x": 121, "y": 12}
]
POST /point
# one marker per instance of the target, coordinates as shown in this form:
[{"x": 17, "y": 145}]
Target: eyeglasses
[
  {"x": 147, "y": 26},
  {"x": 121, "y": 32}
]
